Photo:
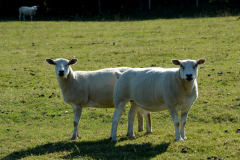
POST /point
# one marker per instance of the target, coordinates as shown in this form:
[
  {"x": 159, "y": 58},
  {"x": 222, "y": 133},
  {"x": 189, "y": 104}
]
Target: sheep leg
[
  {"x": 184, "y": 115},
  {"x": 19, "y": 17},
  {"x": 23, "y": 17},
  {"x": 77, "y": 114},
  {"x": 31, "y": 17},
  {"x": 116, "y": 116},
  {"x": 131, "y": 115},
  {"x": 175, "y": 118},
  {"x": 147, "y": 116},
  {"x": 140, "y": 121}
]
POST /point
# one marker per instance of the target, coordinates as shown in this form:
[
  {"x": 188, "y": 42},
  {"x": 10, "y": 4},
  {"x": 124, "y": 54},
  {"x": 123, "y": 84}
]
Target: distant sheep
[
  {"x": 27, "y": 11},
  {"x": 157, "y": 89},
  {"x": 88, "y": 89}
]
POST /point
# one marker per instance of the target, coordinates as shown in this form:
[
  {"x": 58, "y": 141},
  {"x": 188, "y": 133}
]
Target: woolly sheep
[
  {"x": 89, "y": 89},
  {"x": 157, "y": 89},
  {"x": 27, "y": 11}
]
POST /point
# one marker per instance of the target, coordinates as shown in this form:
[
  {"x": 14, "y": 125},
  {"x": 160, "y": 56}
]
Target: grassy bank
[{"x": 32, "y": 112}]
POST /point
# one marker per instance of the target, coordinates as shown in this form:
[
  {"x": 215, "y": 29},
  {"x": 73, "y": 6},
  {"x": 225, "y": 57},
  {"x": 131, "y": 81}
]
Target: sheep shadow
[{"x": 102, "y": 149}]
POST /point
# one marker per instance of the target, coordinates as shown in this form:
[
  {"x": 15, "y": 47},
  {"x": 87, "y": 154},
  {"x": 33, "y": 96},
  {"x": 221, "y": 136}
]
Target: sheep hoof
[
  {"x": 179, "y": 139},
  {"x": 140, "y": 129},
  {"x": 113, "y": 140},
  {"x": 74, "y": 137},
  {"x": 148, "y": 132},
  {"x": 132, "y": 136}
]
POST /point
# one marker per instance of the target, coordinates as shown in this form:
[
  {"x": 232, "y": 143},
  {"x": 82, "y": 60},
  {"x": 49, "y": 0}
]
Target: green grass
[{"x": 34, "y": 126}]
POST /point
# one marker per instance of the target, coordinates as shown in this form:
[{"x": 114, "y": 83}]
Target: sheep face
[
  {"x": 34, "y": 8},
  {"x": 188, "y": 68},
  {"x": 62, "y": 66}
]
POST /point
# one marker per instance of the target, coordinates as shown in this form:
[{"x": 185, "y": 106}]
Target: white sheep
[
  {"x": 89, "y": 89},
  {"x": 27, "y": 11},
  {"x": 157, "y": 89}
]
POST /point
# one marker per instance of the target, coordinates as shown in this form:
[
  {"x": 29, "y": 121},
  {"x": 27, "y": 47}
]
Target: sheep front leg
[
  {"x": 176, "y": 122},
  {"x": 23, "y": 17},
  {"x": 77, "y": 114},
  {"x": 184, "y": 114}
]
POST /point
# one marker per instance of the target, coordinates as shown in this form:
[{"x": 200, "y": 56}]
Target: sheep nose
[
  {"x": 61, "y": 73},
  {"x": 189, "y": 75}
]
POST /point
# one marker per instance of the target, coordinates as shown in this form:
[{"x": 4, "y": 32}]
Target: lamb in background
[{"x": 27, "y": 11}]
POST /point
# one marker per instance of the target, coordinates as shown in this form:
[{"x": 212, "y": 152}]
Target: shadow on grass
[{"x": 102, "y": 149}]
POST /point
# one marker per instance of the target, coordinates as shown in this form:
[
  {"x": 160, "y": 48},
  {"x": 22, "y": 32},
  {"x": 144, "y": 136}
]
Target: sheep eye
[
  {"x": 195, "y": 66},
  {"x": 181, "y": 66}
]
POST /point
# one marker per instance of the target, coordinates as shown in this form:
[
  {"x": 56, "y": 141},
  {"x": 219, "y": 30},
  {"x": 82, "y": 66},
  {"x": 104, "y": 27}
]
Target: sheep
[
  {"x": 27, "y": 11},
  {"x": 89, "y": 89},
  {"x": 157, "y": 89}
]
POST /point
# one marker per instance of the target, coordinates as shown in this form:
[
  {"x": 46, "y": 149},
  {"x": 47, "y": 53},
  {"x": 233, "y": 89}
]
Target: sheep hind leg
[
  {"x": 140, "y": 121},
  {"x": 116, "y": 116},
  {"x": 77, "y": 114},
  {"x": 147, "y": 116},
  {"x": 131, "y": 115},
  {"x": 78, "y": 130}
]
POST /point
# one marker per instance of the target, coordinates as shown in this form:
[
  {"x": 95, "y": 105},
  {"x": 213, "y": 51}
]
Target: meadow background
[{"x": 33, "y": 121}]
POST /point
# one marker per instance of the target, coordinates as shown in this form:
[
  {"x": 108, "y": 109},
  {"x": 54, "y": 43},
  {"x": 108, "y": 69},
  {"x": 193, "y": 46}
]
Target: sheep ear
[
  {"x": 118, "y": 74},
  {"x": 176, "y": 62},
  {"x": 72, "y": 61},
  {"x": 50, "y": 61},
  {"x": 201, "y": 61}
]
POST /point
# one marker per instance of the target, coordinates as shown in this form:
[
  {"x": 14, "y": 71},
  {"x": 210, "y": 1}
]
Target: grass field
[{"x": 32, "y": 112}]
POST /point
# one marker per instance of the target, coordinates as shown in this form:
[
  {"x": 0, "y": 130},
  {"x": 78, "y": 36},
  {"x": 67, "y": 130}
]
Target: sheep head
[
  {"x": 188, "y": 68},
  {"x": 62, "y": 66}
]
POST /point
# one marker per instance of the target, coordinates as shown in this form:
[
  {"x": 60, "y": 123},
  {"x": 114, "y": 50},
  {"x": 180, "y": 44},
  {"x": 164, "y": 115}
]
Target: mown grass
[{"x": 33, "y": 121}]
